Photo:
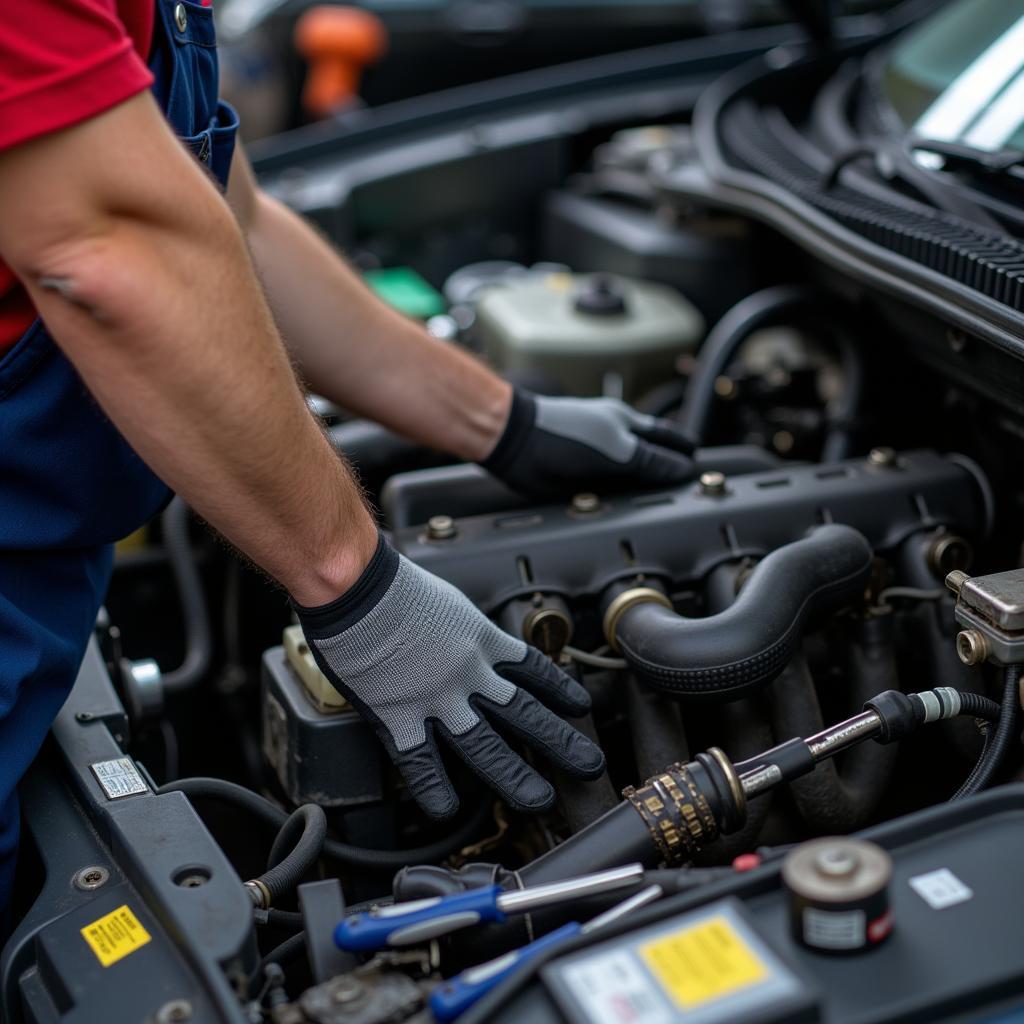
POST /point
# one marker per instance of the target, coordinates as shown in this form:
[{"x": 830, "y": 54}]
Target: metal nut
[
  {"x": 441, "y": 528},
  {"x": 174, "y": 1011},
  {"x": 971, "y": 646},
  {"x": 180, "y": 17},
  {"x": 347, "y": 991},
  {"x": 586, "y": 503},
  {"x": 712, "y": 483},
  {"x": 883, "y": 458},
  {"x": 91, "y": 878},
  {"x": 548, "y": 629}
]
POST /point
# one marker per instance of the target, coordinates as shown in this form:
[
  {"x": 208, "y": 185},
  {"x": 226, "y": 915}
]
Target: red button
[{"x": 746, "y": 862}]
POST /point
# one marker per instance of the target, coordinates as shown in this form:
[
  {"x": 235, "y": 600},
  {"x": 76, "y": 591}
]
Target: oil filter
[{"x": 839, "y": 894}]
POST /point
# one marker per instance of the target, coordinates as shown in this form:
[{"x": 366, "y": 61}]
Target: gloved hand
[
  {"x": 417, "y": 659},
  {"x": 556, "y": 446}
]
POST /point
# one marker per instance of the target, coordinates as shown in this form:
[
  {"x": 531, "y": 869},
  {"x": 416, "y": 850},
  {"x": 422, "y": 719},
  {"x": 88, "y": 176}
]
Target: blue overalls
[{"x": 70, "y": 484}]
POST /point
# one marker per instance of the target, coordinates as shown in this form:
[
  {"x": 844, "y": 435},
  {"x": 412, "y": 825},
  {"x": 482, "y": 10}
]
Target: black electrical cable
[
  {"x": 290, "y": 859},
  {"x": 198, "y": 636},
  {"x": 287, "y": 950},
  {"x": 969, "y": 786},
  {"x": 352, "y": 856},
  {"x": 997, "y": 743}
]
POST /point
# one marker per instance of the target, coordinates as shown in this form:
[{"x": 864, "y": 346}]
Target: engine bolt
[
  {"x": 884, "y": 458},
  {"x": 971, "y": 646},
  {"x": 91, "y": 878},
  {"x": 586, "y": 503},
  {"x": 712, "y": 483},
  {"x": 441, "y": 528},
  {"x": 347, "y": 991},
  {"x": 725, "y": 387},
  {"x": 174, "y": 1011}
]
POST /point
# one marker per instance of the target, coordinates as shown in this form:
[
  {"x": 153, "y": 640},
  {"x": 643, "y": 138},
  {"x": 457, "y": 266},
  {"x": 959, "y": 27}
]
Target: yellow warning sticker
[
  {"x": 703, "y": 962},
  {"x": 115, "y": 935}
]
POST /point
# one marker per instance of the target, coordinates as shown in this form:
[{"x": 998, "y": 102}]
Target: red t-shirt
[{"x": 62, "y": 62}]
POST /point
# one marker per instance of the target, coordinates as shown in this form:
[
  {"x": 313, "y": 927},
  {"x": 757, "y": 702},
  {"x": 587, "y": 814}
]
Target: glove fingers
[
  {"x": 664, "y": 433},
  {"x": 545, "y": 680},
  {"x": 491, "y": 758},
  {"x": 656, "y": 465},
  {"x": 558, "y": 741},
  {"x": 428, "y": 782}
]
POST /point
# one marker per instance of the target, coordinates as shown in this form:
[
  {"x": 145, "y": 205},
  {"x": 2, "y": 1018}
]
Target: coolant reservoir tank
[{"x": 592, "y": 334}]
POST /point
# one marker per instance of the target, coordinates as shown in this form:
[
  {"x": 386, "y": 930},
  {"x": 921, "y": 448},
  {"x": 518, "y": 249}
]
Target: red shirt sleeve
[{"x": 64, "y": 61}]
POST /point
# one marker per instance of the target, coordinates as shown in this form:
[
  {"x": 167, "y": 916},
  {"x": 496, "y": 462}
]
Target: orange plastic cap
[{"x": 338, "y": 43}]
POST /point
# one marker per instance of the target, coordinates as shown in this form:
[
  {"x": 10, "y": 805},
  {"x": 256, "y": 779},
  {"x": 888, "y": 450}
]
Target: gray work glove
[
  {"x": 556, "y": 446},
  {"x": 417, "y": 659}
]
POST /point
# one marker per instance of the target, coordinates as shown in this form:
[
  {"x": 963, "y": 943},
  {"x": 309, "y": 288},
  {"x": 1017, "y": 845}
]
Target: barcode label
[
  {"x": 614, "y": 989},
  {"x": 119, "y": 778}
]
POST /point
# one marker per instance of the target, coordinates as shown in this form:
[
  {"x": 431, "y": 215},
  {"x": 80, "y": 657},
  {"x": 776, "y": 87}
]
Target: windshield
[{"x": 960, "y": 76}]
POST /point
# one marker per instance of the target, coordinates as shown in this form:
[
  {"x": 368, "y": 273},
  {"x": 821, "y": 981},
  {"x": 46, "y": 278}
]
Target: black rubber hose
[
  {"x": 198, "y": 637},
  {"x": 655, "y": 727},
  {"x": 772, "y": 305},
  {"x": 351, "y": 856},
  {"x": 616, "y": 838},
  {"x": 720, "y": 347},
  {"x": 584, "y": 800},
  {"x": 831, "y": 800},
  {"x": 727, "y": 655},
  {"x": 740, "y": 727},
  {"x": 291, "y": 858},
  {"x": 974, "y": 705},
  {"x": 994, "y": 753},
  {"x": 290, "y": 919}
]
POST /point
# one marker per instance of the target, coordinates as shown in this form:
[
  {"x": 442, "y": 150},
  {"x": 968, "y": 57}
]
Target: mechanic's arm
[
  {"x": 139, "y": 269},
  {"x": 357, "y": 351},
  {"x": 140, "y": 272}
]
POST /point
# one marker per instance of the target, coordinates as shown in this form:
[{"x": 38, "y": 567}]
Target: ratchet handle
[
  {"x": 458, "y": 994},
  {"x": 407, "y": 924}
]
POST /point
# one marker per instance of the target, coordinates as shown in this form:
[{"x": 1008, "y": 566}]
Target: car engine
[{"x": 803, "y": 664}]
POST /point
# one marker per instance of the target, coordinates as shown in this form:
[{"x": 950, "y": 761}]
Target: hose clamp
[
  {"x": 621, "y": 603},
  {"x": 738, "y": 811},
  {"x": 259, "y": 893}
]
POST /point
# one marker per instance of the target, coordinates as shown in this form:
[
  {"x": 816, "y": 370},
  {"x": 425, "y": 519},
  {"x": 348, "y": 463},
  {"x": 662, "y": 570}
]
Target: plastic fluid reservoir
[{"x": 592, "y": 334}]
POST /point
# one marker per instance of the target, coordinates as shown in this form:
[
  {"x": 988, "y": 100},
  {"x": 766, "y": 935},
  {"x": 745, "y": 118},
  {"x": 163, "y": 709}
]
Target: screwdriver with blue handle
[
  {"x": 407, "y": 924},
  {"x": 456, "y": 995}
]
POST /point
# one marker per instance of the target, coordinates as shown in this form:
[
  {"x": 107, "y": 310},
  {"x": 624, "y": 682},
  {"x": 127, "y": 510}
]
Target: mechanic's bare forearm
[
  {"x": 360, "y": 353},
  {"x": 157, "y": 306}
]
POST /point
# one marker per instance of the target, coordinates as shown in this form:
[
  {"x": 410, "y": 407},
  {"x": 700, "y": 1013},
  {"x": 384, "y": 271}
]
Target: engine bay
[{"x": 803, "y": 664}]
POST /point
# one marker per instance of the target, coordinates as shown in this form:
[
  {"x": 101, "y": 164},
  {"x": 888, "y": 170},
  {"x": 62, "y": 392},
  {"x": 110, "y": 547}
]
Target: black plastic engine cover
[{"x": 680, "y": 535}]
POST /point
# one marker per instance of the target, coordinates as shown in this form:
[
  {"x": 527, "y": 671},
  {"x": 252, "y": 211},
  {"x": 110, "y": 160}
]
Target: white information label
[
  {"x": 828, "y": 929},
  {"x": 119, "y": 778},
  {"x": 941, "y": 889},
  {"x": 612, "y": 988}
]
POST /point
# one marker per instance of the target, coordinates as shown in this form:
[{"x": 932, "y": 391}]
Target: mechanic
[{"x": 141, "y": 325}]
